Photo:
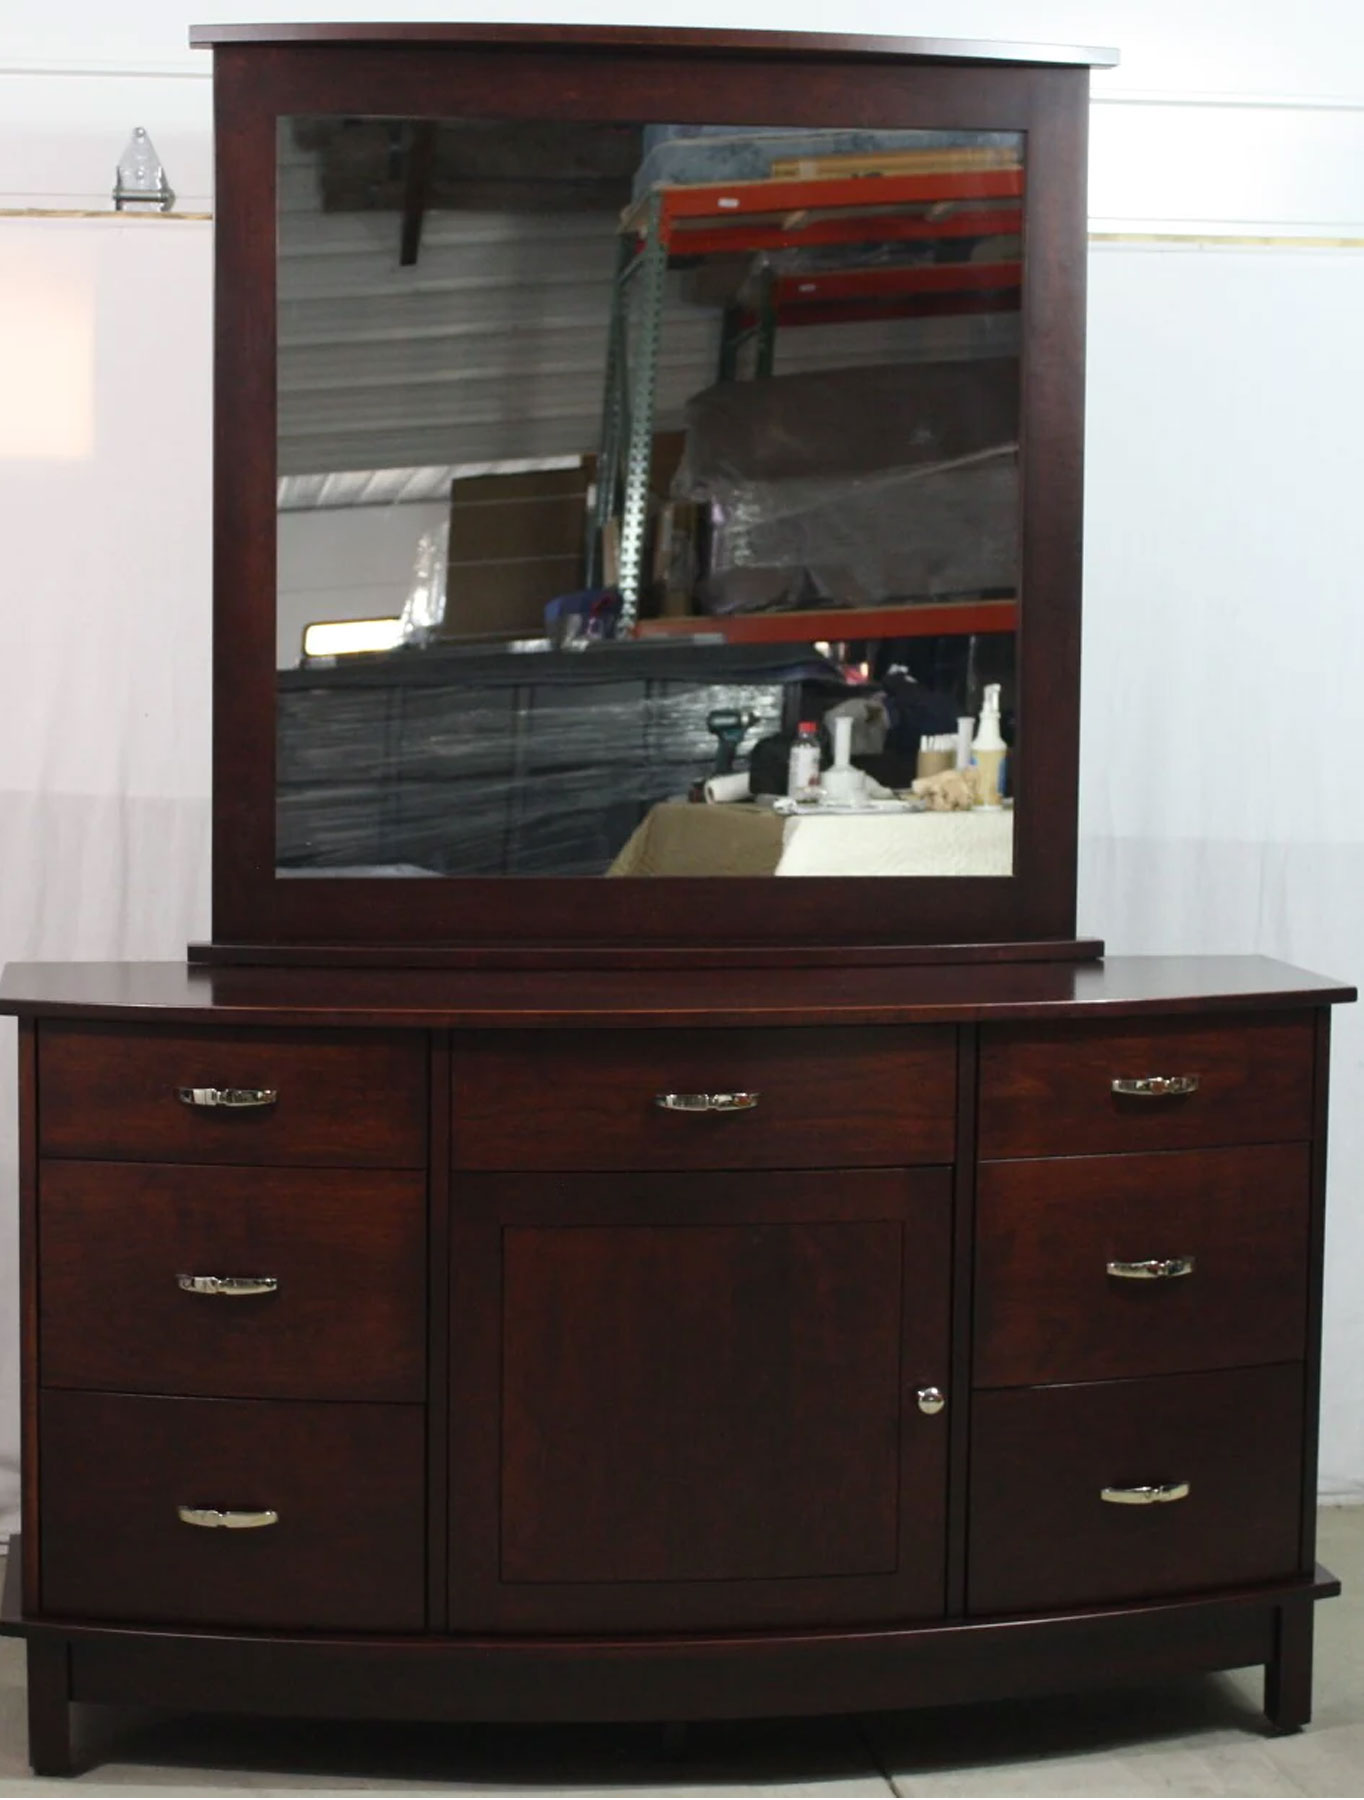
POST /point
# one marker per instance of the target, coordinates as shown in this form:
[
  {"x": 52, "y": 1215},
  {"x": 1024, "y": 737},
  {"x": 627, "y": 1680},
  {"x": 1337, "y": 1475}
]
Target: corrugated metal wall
[{"x": 492, "y": 347}]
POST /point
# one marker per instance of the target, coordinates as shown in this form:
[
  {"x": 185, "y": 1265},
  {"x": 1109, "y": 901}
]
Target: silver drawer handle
[
  {"x": 241, "y": 1098},
  {"x": 1159, "y": 1495},
  {"x": 231, "y": 1287},
  {"x": 1155, "y": 1268},
  {"x": 209, "y": 1518},
  {"x": 706, "y": 1103},
  {"x": 1155, "y": 1087}
]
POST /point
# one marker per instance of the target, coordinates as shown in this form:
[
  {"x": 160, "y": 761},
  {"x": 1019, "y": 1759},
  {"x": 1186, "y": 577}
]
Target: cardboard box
[{"x": 516, "y": 541}]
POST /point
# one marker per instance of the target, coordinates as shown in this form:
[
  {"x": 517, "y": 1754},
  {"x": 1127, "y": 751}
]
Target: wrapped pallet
[{"x": 860, "y": 486}]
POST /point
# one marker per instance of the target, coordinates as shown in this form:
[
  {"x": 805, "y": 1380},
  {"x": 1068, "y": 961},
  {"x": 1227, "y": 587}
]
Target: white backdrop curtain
[
  {"x": 104, "y": 622},
  {"x": 1223, "y": 764}
]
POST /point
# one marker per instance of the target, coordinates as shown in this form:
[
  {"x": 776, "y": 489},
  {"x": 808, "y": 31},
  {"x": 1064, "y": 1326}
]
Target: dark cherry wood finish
[
  {"x": 347, "y": 1482},
  {"x": 666, "y": 1456},
  {"x": 963, "y": 1285},
  {"x": 1040, "y": 1534},
  {"x": 1316, "y": 1269},
  {"x": 691, "y": 1677},
  {"x": 763, "y": 1376},
  {"x": 699, "y": 1398},
  {"x": 112, "y": 1094},
  {"x": 852, "y": 1097},
  {"x": 1048, "y": 1092},
  {"x": 1104, "y": 993},
  {"x": 348, "y": 1249},
  {"x": 28, "y": 1323},
  {"x": 1046, "y": 1309},
  {"x": 665, "y": 41},
  {"x": 49, "y": 1700},
  {"x": 636, "y": 956},
  {"x": 438, "y": 1337},
  {"x": 725, "y": 78},
  {"x": 1288, "y": 1673}
]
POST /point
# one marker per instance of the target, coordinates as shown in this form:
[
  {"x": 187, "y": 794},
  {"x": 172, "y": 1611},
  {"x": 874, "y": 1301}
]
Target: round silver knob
[{"x": 931, "y": 1400}]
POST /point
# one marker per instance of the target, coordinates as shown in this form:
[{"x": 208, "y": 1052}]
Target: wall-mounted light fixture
[{"x": 139, "y": 180}]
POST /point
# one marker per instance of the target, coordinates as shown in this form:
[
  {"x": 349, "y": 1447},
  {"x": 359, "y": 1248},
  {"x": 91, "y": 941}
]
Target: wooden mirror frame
[{"x": 681, "y": 77}]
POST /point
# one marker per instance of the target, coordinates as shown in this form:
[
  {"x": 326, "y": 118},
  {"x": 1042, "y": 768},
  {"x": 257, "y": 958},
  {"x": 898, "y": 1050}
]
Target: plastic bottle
[
  {"x": 988, "y": 749},
  {"x": 802, "y": 769},
  {"x": 966, "y": 725},
  {"x": 842, "y": 783}
]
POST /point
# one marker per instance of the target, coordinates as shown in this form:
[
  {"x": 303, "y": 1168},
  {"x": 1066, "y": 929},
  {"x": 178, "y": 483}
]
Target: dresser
[
  {"x": 494, "y": 1346},
  {"x": 468, "y": 1288}
]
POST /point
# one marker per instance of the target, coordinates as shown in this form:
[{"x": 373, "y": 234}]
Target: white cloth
[{"x": 899, "y": 843}]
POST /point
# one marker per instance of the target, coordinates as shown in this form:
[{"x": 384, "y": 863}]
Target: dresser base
[{"x": 550, "y": 1680}]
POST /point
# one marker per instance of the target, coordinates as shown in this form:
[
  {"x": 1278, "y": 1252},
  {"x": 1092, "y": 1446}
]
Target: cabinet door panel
[
  {"x": 700, "y": 1399},
  {"x": 723, "y": 1380}
]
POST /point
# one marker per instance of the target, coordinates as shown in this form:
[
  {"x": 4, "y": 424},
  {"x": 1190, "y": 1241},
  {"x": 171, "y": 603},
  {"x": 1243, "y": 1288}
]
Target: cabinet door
[{"x": 688, "y": 1401}]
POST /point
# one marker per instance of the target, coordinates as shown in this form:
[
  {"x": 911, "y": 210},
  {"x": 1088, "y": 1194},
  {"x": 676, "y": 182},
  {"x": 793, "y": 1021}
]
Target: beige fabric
[{"x": 680, "y": 839}]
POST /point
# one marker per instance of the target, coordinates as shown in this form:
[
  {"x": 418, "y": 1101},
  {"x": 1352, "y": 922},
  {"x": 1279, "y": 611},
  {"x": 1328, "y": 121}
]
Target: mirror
[{"x": 648, "y": 499}]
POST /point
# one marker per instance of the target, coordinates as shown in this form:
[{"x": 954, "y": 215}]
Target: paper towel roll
[{"x": 723, "y": 788}]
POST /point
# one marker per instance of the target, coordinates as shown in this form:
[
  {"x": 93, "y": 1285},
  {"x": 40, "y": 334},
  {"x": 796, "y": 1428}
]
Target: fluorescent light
[{"x": 351, "y": 637}]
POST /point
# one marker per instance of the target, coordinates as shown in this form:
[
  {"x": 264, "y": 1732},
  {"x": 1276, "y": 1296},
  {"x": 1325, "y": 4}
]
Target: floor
[{"x": 1195, "y": 1737}]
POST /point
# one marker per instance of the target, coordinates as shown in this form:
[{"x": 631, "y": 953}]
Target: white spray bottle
[{"x": 988, "y": 749}]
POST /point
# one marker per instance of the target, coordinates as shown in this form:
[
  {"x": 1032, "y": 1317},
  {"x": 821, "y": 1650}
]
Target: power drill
[{"x": 729, "y": 727}]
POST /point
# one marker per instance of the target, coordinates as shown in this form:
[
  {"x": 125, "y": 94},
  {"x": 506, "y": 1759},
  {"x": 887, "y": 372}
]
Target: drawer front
[
  {"x": 345, "y": 1552},
  {"x": 590, "y": 1100},
  {"x": 1048, "y": 1090},
  {"x": 1094, "y": 1267},
  {"x": 353, "y": 1100},
  {"x": 1043, "y": 1536},
  {"x": 345, "y": 1252}
]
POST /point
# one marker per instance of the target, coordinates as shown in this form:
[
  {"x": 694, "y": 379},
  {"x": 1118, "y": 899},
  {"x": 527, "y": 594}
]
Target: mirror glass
[{"x": 648, "y": 499}]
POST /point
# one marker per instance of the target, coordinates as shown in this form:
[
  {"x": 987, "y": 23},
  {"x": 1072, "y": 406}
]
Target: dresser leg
[
  {"x": 49, "y": 1706},
  {"x": 1288, "y": 1677}
]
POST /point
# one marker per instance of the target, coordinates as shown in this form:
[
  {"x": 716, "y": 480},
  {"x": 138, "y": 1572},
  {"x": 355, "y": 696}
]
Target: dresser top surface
[
  {"x": 952, "y": 993},
  {"x": 662, "y": 41}
]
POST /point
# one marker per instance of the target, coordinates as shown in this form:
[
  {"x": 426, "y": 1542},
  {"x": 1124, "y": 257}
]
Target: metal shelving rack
[{"x": 749, "y": 217}]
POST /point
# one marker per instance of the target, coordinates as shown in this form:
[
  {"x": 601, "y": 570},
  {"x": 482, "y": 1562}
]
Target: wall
[{"x": 1220, "y": 808}]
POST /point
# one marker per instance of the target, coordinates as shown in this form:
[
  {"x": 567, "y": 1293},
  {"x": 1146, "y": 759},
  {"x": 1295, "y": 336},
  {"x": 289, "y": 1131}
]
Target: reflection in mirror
[{"x": 648, "y": 499}]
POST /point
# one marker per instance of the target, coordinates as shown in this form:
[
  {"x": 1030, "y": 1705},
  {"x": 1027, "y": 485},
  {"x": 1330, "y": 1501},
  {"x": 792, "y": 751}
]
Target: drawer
[
  {"x": 1048, "y": 1090},
  {"x": 1048, "y": 1308},
  {"x": 590, "y": 1100},
  {"x": 345, "y": 1553},
  {"x": 1042, "y": 1535},
  {"x": 352, "y": 1100},
  {"x": 346, "y": 1250}
]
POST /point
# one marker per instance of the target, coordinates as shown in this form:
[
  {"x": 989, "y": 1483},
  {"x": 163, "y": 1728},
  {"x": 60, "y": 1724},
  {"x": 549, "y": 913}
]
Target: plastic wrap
[
  {"x": 852, "y": 421},
  {"x": 863, "y": 540},
  {"x": 857, "y": 486},
  {"x": 484, "y": 773},
  {"x": 824, "y": 259},
  {"x": 424, "y": 609},
  {"x": 685, "y": 155}
]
